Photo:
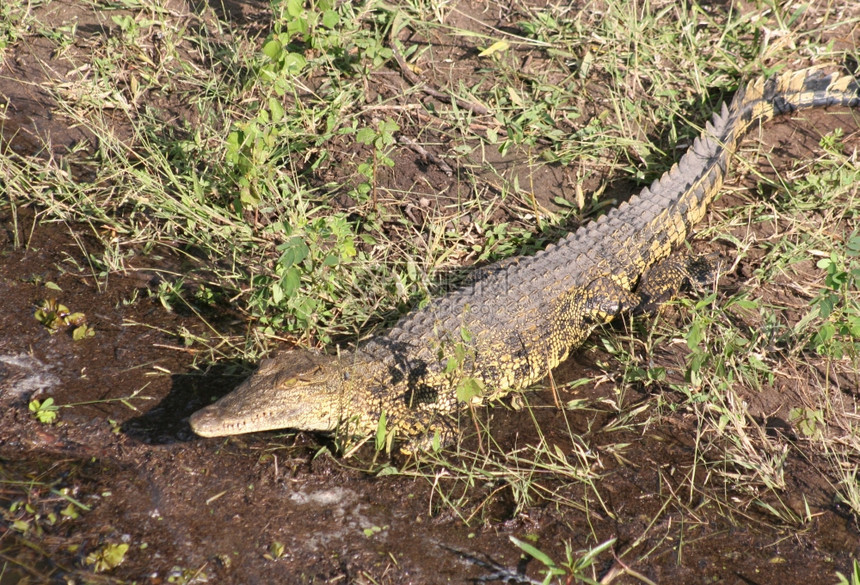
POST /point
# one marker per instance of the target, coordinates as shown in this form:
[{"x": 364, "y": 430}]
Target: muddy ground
[{"x": 123, "y": 467}]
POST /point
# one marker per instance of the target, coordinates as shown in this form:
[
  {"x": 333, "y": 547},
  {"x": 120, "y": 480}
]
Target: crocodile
[{"x": 521, "y": 317}]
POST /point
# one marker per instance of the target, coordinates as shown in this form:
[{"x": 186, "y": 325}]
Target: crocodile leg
[{"x": 661, "y": 283}]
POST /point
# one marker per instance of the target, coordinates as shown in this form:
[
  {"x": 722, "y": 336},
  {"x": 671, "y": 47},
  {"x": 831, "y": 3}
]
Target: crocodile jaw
[
  {"x": 297, "y": 390},
  {"x": 232, "y": 416}
]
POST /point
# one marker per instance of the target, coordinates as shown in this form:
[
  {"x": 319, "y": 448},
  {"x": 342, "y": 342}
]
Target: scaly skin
[{"x": 521, "y": 317}]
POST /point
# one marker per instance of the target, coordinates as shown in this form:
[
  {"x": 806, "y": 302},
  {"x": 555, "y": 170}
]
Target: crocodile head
[{"x": 296, "y": 389}]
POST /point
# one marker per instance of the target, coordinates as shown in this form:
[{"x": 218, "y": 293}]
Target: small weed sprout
[
  {"x": 839, "y": 303},
  {"x": 381, "y": 139},
  {"x": 576, "y": 565},
  {"x": 45, "y": 411},
  {"x": 108, "y": 557},
  {"x": 56, "y": 317},
  {"x": 853, "y": 578}
]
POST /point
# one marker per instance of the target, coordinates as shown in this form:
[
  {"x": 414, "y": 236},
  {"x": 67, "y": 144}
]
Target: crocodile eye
[{"x": 309, "y": 376}]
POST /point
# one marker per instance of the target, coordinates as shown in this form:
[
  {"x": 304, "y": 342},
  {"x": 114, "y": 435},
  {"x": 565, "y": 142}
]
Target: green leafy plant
[
  {"x": 313, "y": 258},
  {"x": 56, "y": 316},
  {"x": 839, "y": 303},
  {"x": 381, "y": 138},
  {"x": 809, "y": 421},
  {"x": 108, "y": 557},
  {"x": 45, "y": 411},
  {"x": 283, "y": 124},
  {"x": 575, "y": 564}
]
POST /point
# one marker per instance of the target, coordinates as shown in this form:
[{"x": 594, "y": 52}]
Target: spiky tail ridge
[{"x": 668, "y": 209}]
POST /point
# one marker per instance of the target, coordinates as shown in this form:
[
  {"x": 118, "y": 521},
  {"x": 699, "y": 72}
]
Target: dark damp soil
[{"x": 121, "y": 465}]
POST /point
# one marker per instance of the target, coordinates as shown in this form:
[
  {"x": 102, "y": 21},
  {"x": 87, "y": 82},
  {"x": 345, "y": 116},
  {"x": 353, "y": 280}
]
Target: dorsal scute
[{"x": 711, "y": 130}]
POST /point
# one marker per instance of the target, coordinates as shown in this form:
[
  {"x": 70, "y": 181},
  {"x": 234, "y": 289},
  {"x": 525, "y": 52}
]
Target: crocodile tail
[
  {"x": 695, "y": 180},
  {"x": 762, "y": 99},
  {"x": 664, "y": 213}
]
